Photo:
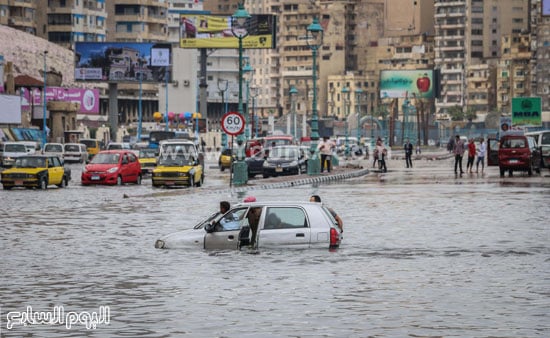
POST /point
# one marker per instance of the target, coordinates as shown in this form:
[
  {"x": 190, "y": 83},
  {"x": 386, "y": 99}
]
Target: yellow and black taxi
[
  {"x": 148, "y": 158},
  {"x": 179, "y": 164},
  {"x": 226, "y": 159},
  {"x": 36, "y": 171}
]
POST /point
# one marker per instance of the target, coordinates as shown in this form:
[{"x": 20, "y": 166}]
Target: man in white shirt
[
  {"x": 326, "y": 147},
  {"x": 481, "y": 152}
]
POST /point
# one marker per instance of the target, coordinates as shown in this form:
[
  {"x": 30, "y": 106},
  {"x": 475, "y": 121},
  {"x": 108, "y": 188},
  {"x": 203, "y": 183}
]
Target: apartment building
[
  {"x": 514, "y": 71},
  {"x": 467, "y": 33},
  {"x": 65, "y": 22},
  {"x": 20, "y": 15}
]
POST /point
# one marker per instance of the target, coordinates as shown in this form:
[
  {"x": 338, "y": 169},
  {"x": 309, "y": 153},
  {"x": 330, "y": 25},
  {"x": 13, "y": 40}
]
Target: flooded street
[{"x": 424, "y": 253}]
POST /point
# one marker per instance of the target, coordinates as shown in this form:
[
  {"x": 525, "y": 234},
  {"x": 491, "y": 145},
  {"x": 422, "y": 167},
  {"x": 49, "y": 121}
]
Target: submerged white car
[{"x": 261, "y": 225}]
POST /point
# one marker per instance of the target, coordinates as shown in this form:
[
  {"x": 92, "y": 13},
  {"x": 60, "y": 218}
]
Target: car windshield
[
  {"x": 30, "y": 162},
  {"x": 15, "y": 148},
  {"x": 513, "y": 143},
  {"x": 283, "y": 152},
  {"x": 72, "y": 147},
  {"x": 105, "y": 158},
  {"x": 177, "y": 160},
  {"x": 148, "y": 153},
  {"x": 55, "y": 148}
]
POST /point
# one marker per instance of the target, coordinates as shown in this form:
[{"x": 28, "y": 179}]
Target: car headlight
[
  {"x": 293, "y": 164},
  {"x": 112, "y": 170},
  {"x": 266, "y": 164}
]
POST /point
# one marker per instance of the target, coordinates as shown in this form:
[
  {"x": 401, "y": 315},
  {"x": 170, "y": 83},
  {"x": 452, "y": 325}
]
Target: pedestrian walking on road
[
  {"x": 471, "y": 155},
  {"x": 382, "y": 153},
  {"x": 408, "y": 153},
  {"x": 458, "y": 151},
  {"x": 481, "y": 151}
]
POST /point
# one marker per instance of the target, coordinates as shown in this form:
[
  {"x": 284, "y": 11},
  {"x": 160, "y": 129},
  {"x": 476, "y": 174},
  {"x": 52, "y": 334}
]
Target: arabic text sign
[
  {"x": 209, "y": 31},
  {"x": 405, "y": 83},
  {"x": 88, "y": 98}
]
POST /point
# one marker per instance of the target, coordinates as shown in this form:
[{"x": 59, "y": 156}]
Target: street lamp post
[
  {"x": 239, "y": 30},
  {"x": 314, "y": 39},
  {"x": 140, "y": 116},
  {"x": 44, "y": 108},
  {"x": 358, "y": 93},
  {"x": 247, "y": 70},
  {"x": 293, "y": 91},
  {"x": 253, "y": 94},
  {"x": 345, "y": 97},
  {"x": 222, "y": 87}
]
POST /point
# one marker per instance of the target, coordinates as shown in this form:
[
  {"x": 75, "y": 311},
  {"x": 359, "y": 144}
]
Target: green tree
[{"x": 456, "y": 113}]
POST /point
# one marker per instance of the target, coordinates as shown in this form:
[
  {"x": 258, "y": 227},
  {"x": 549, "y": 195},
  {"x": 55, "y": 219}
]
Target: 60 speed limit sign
[{"x": 233, "y": 123}]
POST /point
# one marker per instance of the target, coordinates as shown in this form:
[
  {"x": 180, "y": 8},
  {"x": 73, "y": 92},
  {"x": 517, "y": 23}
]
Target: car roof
[
  {"x": 276, "y": 203},
  {"x": 116, "y": 151}
]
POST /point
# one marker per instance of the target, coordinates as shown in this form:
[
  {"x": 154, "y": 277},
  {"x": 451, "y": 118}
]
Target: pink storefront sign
[{"x": 88, "y": 98}]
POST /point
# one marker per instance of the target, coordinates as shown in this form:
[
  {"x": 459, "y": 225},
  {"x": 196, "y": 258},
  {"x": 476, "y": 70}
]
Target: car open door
[{"x": 492, "y": 152}]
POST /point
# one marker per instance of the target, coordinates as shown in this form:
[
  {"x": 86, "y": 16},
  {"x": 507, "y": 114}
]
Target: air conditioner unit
[
  {"x": 175, "y": 83},
  {"x": 186, "y": 83}
]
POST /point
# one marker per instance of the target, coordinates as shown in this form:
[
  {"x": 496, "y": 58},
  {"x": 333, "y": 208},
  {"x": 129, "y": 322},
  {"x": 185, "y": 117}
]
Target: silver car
[{"x": 261, "y": 225}]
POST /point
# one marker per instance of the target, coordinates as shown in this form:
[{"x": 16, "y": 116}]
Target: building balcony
[
  {"x": 450, "y": 4},
  {"x": 296, "y": 73},
  {"x": 60, "y": 28},
  {"x": 143, "y": 3},
  {"x": 23, "y": 3},
  {"x": 19, "y": 21}
]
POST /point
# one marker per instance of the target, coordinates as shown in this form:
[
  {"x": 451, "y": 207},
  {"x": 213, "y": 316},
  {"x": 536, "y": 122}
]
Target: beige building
[
  {"x": 468, "y": 33},
  {"x": 20, "y": 15},
  {"x": 513, "y": 78}
]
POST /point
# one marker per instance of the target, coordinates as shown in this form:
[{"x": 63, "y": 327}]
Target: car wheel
[
  {"x": 63, "y": 183},
  {"x": 44, "y": 183},
  {"x": 138, "y": 181},
  {"x": 119, "y": 180},
  {"x": 201, "y": 181}
]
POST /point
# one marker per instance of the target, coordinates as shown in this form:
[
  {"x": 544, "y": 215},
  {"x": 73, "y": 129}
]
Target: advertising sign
[
  {"x": 526, "y": 111},
  {"x": 405, "y": 83},
  {"x": 545, "y": 7},
  {"x": 122, "y": 61},
  {"x": 209, "y": 31},
  {"x": 10, "y": 109},
  {"x": 88, "y": 98}
]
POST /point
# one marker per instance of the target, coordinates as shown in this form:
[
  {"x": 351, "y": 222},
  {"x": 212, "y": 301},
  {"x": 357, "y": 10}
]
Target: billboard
[
  {"x": 10, "y": 109},
  {"x": 122, "y": 62},
  {"x": 405, "y": 83},
  {"x": 209, "y": 31},
  {"x": 88, "y": 98},
  {"x": 526, "y": 111},
  {"x": 545, "y": 7}
]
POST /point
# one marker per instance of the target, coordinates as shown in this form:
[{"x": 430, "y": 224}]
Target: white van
[
  {"x": 542, "y": 140},
  {"x": 75, "y": 152},
  {"x": 11, "y": 151}
]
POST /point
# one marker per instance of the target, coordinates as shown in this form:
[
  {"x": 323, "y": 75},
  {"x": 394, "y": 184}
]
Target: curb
[{"x": 302, "y": 181}]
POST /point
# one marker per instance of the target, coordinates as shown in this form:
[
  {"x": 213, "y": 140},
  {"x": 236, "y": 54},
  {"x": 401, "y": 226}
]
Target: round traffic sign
[{"x": 233, "y": 123}]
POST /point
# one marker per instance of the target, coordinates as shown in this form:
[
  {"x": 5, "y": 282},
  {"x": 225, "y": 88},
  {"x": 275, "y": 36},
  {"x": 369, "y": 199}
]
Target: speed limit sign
[{"x": 233, "y": 123}]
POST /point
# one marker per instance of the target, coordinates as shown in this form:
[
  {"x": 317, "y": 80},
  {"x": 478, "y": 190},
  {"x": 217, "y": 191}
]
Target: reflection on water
[{"x": 423, "y": 260}]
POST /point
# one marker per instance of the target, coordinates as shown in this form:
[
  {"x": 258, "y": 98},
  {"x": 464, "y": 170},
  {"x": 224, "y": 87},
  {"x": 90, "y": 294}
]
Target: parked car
[
  {"x": 75, "y": 152},
  {"x": 261, "y": 225},
  {"x": 284, "y": 160},
  {"x": 518, "y": 152},
  {"x": 180, "y": 164},
  {"x": 54, "y": 149},
  {"x": 148, "y": 158},
  {"x": 112, "y": 167},
  {"x": 255, "y": 163},
  {"x": 226, "y": 159},
  {"x": 38, "y": 171},
  {"x": 11, "y": 151}
]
